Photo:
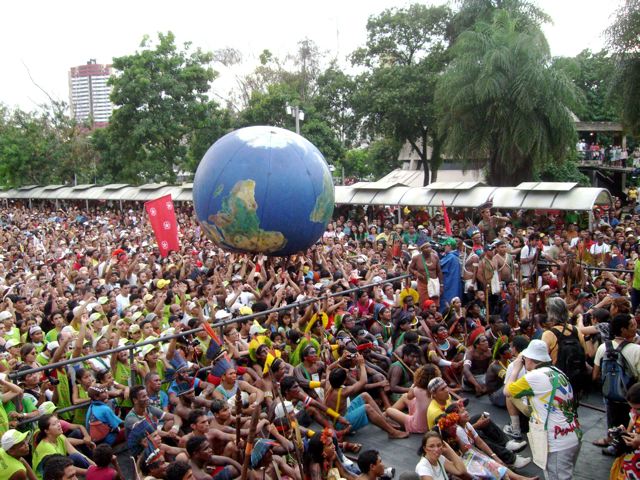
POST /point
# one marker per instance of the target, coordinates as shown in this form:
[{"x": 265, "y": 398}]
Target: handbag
[
  {"x": 98, "y": 430},
  {"x": 537, "y": 436}
]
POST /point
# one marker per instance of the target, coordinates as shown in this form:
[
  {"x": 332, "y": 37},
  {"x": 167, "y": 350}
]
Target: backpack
[
  {"x": 616, "y": 374},
  {"x": 571, "y": 358}
]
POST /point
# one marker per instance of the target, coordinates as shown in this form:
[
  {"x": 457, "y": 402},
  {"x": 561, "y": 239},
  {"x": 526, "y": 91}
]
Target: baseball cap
[
  {"x": 134, "y": 328},
  {"x": 47, "y": 408},
  {"x": 12, "y": 438},
  {"x": 537, "y": 350},
  {"x": 52, "y": 346},
  {"x": 256, "y": 328},
  {"x": 103, "y": 300},
  {"x": 136, "y": 316},
  {"x": 35, "y": 329},
  {"x": 5, "y": 315},
  {"x": 244, "y": 310},
  {"x": 222, "y": 315},
  {"x": 162, "y": 283},
  {"x": 147, "y": 297},
  {"x": 12, "y": 343}
]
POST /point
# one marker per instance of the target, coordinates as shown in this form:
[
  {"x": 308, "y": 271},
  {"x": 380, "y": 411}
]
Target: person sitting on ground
[
  {"x": 204, "y": 463},
  {"x": 102, "y": 470},
  {"x": 362, "y": 408},
  {"x": 59, "y": 467},
  {"x": 489, "y": 431},
  {"x": 370, "y": 464},
  {"x": 476, "y": 361},
  {"x": 15, "y": 447},
  {"x": 437, "y": 459},
  {"x": 416, "y": 400}
]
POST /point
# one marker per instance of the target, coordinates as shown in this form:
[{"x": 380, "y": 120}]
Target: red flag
[
  {"x": 447, "y": 223},
  {"x": 163, "y": 221}
]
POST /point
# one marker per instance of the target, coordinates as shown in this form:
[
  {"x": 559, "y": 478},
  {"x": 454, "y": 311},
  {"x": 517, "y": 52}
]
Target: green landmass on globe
[
  {"x": 323, "y": 208},
  {"x": 237, "y": 226}
]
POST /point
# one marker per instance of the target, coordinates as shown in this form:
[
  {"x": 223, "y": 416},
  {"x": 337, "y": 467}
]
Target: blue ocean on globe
[{"x": 263, "y": 190}]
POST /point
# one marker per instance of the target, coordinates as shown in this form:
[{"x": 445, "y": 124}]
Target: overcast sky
[{"x": 49, "y": 37}]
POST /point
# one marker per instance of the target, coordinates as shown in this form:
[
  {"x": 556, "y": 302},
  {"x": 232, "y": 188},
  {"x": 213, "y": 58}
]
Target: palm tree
[{"x": 501, "y": 101}]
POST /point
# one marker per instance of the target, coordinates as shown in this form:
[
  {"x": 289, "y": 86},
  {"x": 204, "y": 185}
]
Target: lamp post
[{"x": 296, "y": 113}]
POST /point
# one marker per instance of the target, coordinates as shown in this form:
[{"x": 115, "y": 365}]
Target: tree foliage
[
  {"x": 405, "y": 52},
  {"x": 160, "y": 94},
  {"x": 44, "y": 147},
  {"x": 592, "y": 73},
  {"x": 624, "y": 39},
  {"x": 502, "y": 102}
]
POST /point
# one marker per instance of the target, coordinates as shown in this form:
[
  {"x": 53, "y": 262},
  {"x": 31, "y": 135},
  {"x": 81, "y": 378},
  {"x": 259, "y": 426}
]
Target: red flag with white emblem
[{"x": 163, "y": 221}]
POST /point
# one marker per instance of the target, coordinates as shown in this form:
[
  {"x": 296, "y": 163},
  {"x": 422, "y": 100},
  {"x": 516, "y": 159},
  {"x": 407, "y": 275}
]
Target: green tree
[
  {"x": 592, "y": 74},
  {"x": 501, "y": 101},
  {"x": 160, "y": 94},
  {"x": 44, "y": 147},
  {"x": 333, "y": 102},
  {"x": 624, "y": 39},
  {"x": 405, "y": 52}
]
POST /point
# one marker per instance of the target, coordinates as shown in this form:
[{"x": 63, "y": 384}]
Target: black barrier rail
[
  {"x": 587, "y": 267},
  {"x": 71, "y": 361}
]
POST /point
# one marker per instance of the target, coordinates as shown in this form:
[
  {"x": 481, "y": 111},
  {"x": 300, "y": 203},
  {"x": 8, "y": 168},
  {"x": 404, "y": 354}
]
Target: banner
[
  {"x": 163, "y": 221},
  {"x": 447, "y": 223}
]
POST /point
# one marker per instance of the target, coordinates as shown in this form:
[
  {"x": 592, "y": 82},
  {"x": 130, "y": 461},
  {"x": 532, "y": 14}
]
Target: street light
[{"x": 296, "y": 113}]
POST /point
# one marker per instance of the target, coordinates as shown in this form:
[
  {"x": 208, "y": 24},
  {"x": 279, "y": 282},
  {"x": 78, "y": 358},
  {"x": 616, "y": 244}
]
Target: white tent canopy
[{"x": 528, "y": 195}]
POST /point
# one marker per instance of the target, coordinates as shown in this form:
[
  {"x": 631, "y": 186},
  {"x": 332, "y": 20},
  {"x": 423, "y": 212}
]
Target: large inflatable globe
[{"x": 263, "y": 190}]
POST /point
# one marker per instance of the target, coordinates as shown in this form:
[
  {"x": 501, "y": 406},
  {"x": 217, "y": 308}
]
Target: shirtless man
[
  {"x": 222, "y": 443},
  {"x": 362, "y": 408},
  {"x": 426, "y": 269},
  {"x": 486, "y": 267},
  {"x": 310, "y": 372},
  {"x": 476, "y": 362},
  {"x": 503, "y": 262}
]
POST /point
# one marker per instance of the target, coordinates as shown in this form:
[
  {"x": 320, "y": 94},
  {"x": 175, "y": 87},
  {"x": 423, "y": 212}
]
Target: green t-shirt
[
  {"x": 636, "y": 275},
  {"x": 9, "y": 465},
  {"x": 44, "y": 449}
]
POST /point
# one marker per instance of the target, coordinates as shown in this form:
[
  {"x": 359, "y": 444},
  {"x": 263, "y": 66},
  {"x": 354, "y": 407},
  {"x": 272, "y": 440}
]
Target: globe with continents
[{"x": 263, "y": 190}]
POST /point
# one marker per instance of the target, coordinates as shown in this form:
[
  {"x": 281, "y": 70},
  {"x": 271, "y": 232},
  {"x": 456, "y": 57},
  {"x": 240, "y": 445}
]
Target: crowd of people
[{"x": 257, "y": 367}]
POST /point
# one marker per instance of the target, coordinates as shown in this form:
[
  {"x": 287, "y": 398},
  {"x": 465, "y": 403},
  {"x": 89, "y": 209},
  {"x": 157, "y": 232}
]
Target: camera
[
  {"x": 53, "y": 381},
  {"x": 617, "y": 447},
  {"x": 389, "y": 473}
]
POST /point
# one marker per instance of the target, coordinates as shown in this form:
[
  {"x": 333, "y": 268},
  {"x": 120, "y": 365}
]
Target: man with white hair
[{"x": 553, "y": 406}]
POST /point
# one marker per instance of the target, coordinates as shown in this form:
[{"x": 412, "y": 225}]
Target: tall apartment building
[{"x": 89, "y": 93}]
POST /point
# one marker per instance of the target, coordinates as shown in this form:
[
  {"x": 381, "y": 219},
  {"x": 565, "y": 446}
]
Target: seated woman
[
  {"x": 416, "y": 400},
  {"x": 49, "y": 440},
  {"x": 437, "y": 459},
  {"x": 456, "y": 429},
  {"x": 321, "y": 459}
]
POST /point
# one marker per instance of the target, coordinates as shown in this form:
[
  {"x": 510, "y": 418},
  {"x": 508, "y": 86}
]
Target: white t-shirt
[
  {"x": 563, "y": 427},
  {"x": 438, "y": 472},
  {"x": 599, "y": 249},
  {"x": 527, "y": 253},
  {"x": 631, "y": 353}
]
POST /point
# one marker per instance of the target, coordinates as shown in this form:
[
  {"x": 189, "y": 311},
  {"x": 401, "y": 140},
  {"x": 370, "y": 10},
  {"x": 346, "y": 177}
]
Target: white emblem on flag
[
  {"x": 165, "y": 244},
  {"x": 169, "y": 205},
  {"x": 153, "y": 212},
  {"x": 166, "y": 225}
]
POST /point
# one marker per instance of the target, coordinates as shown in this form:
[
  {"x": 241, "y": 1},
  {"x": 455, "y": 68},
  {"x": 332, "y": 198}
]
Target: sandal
[
  {"x": 351, "y": 447},
  {"x": 602, "y": 443}
]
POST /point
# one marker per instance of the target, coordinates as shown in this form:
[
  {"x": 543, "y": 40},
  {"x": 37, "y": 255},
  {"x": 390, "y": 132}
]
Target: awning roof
[{"x": 527, "y": 195}]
